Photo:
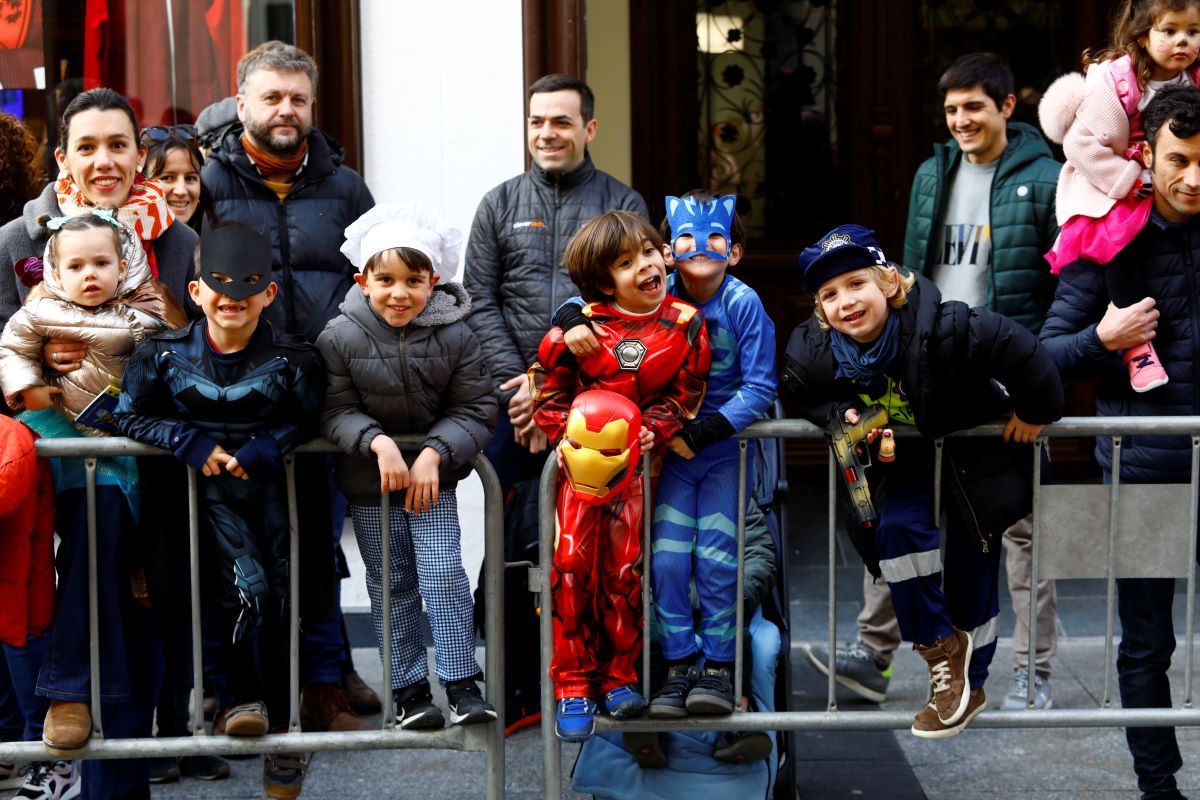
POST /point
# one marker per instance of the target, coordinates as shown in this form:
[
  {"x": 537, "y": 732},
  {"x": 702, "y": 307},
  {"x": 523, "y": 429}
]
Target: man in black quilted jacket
[
  {"x": 514, "y": 269},
  {"x": 516, "y": 278},
  {"x": 1085, "y": 334}
]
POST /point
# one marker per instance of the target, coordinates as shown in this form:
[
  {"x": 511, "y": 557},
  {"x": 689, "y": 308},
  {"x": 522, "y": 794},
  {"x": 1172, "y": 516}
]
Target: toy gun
[{"x": 846, "y": 440}]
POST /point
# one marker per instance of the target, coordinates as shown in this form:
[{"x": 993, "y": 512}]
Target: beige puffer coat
[{"x": 110, "y": 332}]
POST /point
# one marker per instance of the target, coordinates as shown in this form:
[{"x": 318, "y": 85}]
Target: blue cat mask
[{"x": 690, "y": 217}]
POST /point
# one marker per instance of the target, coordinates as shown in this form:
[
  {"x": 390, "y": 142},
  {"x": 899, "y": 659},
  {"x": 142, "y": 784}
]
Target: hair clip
[
  {"x": 107, "y": 215},
  {"x": 55, "y": 223}
]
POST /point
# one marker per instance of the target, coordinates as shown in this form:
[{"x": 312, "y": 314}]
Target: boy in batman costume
[{"x": 231, "y": 396}]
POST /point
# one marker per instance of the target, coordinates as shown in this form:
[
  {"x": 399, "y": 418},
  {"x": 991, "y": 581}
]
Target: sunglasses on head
[{"x": 160, "y": 133}]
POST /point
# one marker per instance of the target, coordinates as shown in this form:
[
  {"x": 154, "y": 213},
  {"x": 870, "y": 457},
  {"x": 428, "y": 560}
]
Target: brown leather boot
[
  {"x": 324, "y": 708},
  {"x": 362, "y": 698},
  {"x": 948, "y": 659},
  {"x": 67, "y": 728}
]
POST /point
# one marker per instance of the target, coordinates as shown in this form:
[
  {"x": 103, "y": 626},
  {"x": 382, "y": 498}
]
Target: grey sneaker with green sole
[{"x": 854, "y": 668}]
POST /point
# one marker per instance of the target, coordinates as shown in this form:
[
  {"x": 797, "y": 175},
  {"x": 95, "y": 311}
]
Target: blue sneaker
[
  {"x": 625, "y": 702},
  {"x": 576, "y": 719}
]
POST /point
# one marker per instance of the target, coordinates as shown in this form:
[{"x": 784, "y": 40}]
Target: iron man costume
[{"x": 659, "y": 362}]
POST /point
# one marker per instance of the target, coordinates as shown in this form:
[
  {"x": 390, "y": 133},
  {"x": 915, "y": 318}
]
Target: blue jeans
[
  {"x": 323, "y": 645},
  {"x": 18, "y": 674},
  {"x": 65, "y": 672},
  {"x": 130, "y": 656}
]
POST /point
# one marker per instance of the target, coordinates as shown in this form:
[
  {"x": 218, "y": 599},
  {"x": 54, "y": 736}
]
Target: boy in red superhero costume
[{"x": 653, "y": 349}]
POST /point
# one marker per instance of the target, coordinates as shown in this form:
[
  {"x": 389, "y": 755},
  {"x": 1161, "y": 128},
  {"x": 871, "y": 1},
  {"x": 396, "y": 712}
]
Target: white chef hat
[{"x": 414, "y": 225}]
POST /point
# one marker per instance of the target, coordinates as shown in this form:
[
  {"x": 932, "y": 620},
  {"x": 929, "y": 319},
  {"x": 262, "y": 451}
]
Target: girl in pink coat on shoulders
[{"x": 1104, "y": 192}]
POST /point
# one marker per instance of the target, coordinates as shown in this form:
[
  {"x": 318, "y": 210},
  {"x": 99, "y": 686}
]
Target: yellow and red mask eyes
[{"x": 600, "y": 444}]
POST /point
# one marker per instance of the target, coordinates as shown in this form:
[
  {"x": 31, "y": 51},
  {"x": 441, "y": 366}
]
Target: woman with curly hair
[{"x": 20, "y": 178}]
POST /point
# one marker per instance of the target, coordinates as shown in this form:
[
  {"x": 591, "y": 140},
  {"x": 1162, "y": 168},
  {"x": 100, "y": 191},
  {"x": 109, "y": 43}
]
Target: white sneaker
[
  {"x": 1017, "y": 698},
  {"x": 50, "y": 780}
]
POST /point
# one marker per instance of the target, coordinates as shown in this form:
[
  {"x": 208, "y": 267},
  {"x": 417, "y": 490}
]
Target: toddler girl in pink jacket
[{"x": 1104, "y": 193}]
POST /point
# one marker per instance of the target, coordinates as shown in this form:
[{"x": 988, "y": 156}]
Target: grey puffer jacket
[
  {"x": 428, "y": 376},
  {"x": 514, "y": 260},
  {"x": 24, "y": 237}
]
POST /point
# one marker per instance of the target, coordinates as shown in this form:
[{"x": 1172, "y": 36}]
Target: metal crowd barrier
[
  {"x": 831, "y": 718},
  {"x": 487, "y": 738}
]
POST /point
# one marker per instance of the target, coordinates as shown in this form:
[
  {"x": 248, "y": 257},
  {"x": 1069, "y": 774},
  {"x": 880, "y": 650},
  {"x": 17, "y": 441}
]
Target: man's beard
[{"x": 265, "y": 139}]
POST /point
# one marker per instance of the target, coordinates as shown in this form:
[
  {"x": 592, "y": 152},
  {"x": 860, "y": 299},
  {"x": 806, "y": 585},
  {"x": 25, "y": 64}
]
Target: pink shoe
[{"x": 1145, "y": 370}]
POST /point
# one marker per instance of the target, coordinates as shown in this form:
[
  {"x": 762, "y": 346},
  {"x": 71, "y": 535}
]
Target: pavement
[{"x": 1059, "y": 764}]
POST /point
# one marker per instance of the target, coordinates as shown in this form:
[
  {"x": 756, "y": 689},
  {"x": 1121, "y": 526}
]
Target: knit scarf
[
  {"x": 146, "y": 210},
  {"x": 864, "y": 364},
  {"x": 272, "y": 167}
]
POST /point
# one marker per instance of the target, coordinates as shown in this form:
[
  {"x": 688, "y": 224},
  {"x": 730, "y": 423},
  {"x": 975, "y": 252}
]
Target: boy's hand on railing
[
  {"x": 852, "y": 417},
  {"x": 217, "y": 459},
  {"x": 393, "y": 473},
  {"x": 422, "y": 494},
  {"x": 36, "y": 398},
  {"x": 679, "y": 447},
  {"x": 645, "y": 439},
  {"x": 581, "y": 341},
  {"x": 1020, "y": 432}
]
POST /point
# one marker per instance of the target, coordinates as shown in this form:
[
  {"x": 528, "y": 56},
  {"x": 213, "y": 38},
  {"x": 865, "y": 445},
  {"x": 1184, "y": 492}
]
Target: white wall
[
  {"x": 443, "y": 100},
  {"x": 443, "y": 122}
]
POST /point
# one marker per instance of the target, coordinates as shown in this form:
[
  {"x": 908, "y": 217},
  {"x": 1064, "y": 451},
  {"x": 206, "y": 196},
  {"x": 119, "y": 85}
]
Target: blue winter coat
[
  {"x": 1166, "y": 254},
  {"x": 307, "y": 228}
]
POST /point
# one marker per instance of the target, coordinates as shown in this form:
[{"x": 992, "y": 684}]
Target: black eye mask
[{"x": 240, "y": 253}]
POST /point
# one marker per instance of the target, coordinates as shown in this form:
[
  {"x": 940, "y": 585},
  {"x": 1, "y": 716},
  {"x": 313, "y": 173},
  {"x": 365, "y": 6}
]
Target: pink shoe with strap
[{"x": 1145, "y": 370}]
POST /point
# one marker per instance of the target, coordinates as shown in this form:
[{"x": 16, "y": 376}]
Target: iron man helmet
[{"x": 600, "y": 444}]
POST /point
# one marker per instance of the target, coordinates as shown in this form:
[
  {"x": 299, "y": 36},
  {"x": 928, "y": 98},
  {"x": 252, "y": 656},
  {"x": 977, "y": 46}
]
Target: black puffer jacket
[
  {"x": 514, "y": 268},
  {"x": 949, "y": 362},
  {"x": 1167, "y": 255},
  {"x": 950, "y": 359},
  {"x": 427, "y": 377},
  {"x": 306, "y": 228}
]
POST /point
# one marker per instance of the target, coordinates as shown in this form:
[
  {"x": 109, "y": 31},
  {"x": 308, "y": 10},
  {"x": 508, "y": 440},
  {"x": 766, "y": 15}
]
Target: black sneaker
[
  {"x": 741, "y": 747},
  {"x": 415, "y": 710},
  {"x": 467, "y": 706},
  {"x": 204, "y": 768},
  {"x": 712, "y": 694},
  {"x": 164, "y": 770},
  {"x": 670, "y": 702}
]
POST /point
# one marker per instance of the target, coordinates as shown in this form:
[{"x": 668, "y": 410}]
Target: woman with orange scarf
[{"x": 99, "y": 159}]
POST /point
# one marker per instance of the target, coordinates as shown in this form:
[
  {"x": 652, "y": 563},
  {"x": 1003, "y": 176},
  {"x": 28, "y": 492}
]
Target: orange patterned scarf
[{"x": 146, "y": 210}]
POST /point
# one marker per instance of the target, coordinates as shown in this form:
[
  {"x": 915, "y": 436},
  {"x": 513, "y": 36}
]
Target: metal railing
[
  {"x": 831, "y": 718},
  {"x": 488, "y": 738}
]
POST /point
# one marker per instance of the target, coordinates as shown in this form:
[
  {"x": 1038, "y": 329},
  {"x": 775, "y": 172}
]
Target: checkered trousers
[{"x": 426, "y": 562}]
